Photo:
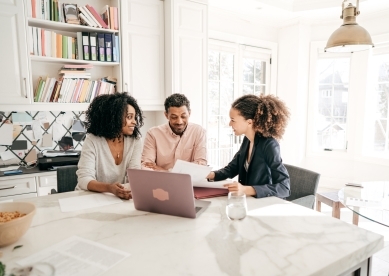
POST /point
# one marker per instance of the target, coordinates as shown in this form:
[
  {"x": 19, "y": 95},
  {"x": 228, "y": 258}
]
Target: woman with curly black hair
[
  {"x": 112, "y": 144},
  {"x": 258, "y": 162}
]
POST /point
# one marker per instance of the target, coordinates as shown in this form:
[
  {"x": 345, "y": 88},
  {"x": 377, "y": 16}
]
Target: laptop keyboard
[{"x": 198, "y": 209}]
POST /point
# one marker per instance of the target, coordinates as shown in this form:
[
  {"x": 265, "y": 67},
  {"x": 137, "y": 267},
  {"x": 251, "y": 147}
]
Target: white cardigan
[{"x": 97, "y": 163}]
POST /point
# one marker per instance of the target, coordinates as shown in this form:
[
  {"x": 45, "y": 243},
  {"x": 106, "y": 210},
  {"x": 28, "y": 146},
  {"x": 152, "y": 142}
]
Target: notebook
[
  {"x": 202, "y": 192},
  {"x": 164, "y": 193}
]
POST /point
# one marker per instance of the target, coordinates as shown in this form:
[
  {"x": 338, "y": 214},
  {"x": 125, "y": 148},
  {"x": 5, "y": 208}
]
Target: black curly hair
[
  {"x": 269, "y": 114},
  {"x": 106, "y": 115},
  {"x": 176, "y": 100}
]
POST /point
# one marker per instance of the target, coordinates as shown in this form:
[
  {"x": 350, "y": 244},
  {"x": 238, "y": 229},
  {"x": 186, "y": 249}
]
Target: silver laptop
[{"x": 164, "y": 193}]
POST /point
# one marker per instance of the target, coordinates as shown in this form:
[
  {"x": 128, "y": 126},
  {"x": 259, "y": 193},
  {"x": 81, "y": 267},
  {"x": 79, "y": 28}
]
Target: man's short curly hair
[
  {"x": 106, "y": 114},
  {"x": 269, "y": 114},
  {"x": 176, "y": 100}
]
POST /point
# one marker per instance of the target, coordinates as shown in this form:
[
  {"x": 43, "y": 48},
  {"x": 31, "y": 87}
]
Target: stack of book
[
  {"x": 98, "y": 46},
  {"x": 51, "y": 44},
  {"x": 73, "y": 86}
]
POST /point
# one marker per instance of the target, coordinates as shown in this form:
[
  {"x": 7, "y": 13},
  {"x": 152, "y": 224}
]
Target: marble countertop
[{"x": 276, "y": 238}]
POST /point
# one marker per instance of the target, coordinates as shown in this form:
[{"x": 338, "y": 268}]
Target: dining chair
[
  {"x": 303, "y": 185},
  {"x": 66, "y": 179}
]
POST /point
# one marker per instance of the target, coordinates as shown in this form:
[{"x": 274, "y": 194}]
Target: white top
[
  {"x": 276, "y": 238},
  {"x": 97, "y": 163}
]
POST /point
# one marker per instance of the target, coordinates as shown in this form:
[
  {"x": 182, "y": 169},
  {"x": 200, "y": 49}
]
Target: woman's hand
[
  {"x": 119, "y": 191},
  {"x": 237, "y": 187},
  {"x": 234, "y": 187},
  {"x": 211, "y": 176}
]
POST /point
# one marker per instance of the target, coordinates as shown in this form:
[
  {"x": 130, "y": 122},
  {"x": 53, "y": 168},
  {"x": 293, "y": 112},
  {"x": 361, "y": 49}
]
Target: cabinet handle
[
  {"x": 25, "y": 87},
  {"x": 6, "y": 188}
]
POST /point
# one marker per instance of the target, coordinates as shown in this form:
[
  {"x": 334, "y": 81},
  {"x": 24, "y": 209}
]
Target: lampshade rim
[{"x": 348, "y": 44}]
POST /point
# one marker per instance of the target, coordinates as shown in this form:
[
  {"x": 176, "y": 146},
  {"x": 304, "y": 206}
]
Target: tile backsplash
[{"x": 34, "y": 131}]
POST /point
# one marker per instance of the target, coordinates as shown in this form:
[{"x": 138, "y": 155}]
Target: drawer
[
  {"x": 47, "y": 181},
  {"x": 17, "y": 186},
  {"x": 14, "y": 197}
]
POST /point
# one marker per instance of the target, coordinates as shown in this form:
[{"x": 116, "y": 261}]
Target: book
[
  {"x": 97, "y": 16},
  {"x": 70, "y": 12}
]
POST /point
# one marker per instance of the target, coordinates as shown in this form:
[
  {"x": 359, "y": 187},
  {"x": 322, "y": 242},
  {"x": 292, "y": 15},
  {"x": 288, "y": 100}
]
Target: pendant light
[{"x": 350, "y": 37}]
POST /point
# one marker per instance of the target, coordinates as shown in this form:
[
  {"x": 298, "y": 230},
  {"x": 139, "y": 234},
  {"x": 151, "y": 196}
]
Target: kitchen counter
[{"x": 277, "y": 238}]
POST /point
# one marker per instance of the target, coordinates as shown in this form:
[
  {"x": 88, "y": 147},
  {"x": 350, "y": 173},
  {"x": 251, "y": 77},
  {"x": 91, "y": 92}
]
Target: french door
[{"x": 233, "y": 70}]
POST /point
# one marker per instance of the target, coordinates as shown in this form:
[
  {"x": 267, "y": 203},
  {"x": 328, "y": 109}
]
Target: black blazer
[{"x": 266, "y": 173}]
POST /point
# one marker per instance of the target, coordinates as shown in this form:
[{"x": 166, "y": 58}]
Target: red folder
[
  {"x": 97, "y": 16},
  {"x": 200, "y": 192}
]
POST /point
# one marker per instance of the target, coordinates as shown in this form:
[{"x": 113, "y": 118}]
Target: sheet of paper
[
  {"x": 6, "y": 131},
  {"x": 77, "y": 256},
  {"x": 198, "y": 173},
  {"x": 36, "y": 128},
  {"x": 21, "y": 118},
  {"x": 10, "y": 168},
  {"x": 16, "y": 131},
  {"x": 77, "y": 203},
  {"x": 7, "y": 155},
  {"x": 47, "y": 140},
  {"x": 58, "y": 131},
  {"x": 213, "y": 184},
  {"x": 31, "y": 156}
]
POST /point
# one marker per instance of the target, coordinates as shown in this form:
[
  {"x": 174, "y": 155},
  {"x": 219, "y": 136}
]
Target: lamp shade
[{"x": 349, "y": 38}]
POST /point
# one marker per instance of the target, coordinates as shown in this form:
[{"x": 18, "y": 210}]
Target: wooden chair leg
[
  {"x": 318, "y": 205},
  {"x": 355, "y": 219},
  {"x": 336, "y": 210}
]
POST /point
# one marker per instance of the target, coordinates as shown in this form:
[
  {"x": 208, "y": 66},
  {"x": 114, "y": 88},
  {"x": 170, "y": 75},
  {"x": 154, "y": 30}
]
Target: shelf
[
  {"x": 60, "y": 26},
  {"x": 75, "y": 61},
  {"x": 45, "y": 107}
]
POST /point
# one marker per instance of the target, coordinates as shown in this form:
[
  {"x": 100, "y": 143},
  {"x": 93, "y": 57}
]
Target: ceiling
[{"x": 277, "y": 12}]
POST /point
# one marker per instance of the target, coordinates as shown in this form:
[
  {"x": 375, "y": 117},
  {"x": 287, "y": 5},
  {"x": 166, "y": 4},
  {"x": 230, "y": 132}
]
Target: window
[
  {"x": 233, "y": 70},
  {"x": 380, "y": 133},
  {"x": 331, "y": 103}
]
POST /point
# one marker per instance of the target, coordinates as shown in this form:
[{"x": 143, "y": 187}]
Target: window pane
[
  {"x": 227, "y": 66},
  {"x": 248, "y": 70},
  {"x": 260, "y": 70},
  {"x": 213, "y": 65},
  {"x": 248, "y": 89},
  {"x": 332, "y": 99},
  {"x": 213, "y": 98},
  {"x": 380, "y": 65},
  {"x": 259, "y": 89},
  {"x": 226, "y": 97}
]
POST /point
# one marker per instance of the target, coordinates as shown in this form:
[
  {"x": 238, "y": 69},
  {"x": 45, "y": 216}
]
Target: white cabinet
[
  {"x": 22, "y": 71},
  {"x": 17, "y": 185},
  {"x": 143, "y": 52},
  {"x": 186, "y": 40},
  {"x": 14, "y": 73},
  {"x": 46, "y": 182}
]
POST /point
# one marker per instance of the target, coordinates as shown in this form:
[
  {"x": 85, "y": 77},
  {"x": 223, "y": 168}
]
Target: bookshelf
[{"x": 31, "y": 67}]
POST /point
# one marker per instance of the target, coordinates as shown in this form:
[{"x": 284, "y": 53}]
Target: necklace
[{"x": 116, "y": 148}]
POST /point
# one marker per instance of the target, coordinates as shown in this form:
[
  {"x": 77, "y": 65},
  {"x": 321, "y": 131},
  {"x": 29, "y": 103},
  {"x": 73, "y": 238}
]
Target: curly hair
[
  {"x": 106, "y": 114},
  {"x": 269, "y": 114},
  {"x": 176, "y": 100}
]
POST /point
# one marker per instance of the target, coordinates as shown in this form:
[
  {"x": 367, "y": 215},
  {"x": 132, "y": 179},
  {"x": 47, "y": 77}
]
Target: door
[
  {"x": 14, "y": 74},
  {"x": 233, "y": 70}
]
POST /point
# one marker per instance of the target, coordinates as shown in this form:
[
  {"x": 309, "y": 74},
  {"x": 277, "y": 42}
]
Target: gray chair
[
  {"x": 303, "y": 185},
  {"x": 66, "y": 179}
]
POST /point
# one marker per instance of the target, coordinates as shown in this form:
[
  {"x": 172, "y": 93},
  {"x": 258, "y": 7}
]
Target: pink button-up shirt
[{"x": 163, "y": 147}]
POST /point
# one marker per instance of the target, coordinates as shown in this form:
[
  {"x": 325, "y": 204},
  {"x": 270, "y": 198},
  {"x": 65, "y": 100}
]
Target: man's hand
[
  {"x": 234, "y": 187},
  {"x": 118, "y": 190},
  {"x": 153, "y": 166}
]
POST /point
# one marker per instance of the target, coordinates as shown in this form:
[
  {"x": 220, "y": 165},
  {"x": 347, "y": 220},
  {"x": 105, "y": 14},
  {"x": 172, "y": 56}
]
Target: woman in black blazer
[{"x": 262, "y": 119}]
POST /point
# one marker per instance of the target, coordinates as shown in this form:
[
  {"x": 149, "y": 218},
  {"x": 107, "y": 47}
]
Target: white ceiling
[{"x": 277, "y": 12}]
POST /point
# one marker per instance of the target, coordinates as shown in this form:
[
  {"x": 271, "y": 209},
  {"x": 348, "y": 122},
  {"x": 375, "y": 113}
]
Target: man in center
[{"x": 177, "y": 139}]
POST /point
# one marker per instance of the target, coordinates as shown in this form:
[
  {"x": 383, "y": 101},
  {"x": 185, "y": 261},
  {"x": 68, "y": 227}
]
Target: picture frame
[{"x": 70, "y": 12}]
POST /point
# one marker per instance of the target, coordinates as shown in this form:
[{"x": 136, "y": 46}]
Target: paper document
[
  {"x": 213, "y": 184},
  {"x": 357, "y": 202},
  {"x": 77, "y": 203},
  {"x": 198, "y": 173},
  {"x": 10, "y": 168},
  {"x": 77, "y": 256}
]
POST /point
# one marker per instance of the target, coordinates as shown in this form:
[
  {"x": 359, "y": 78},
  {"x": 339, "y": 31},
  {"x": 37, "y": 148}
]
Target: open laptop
[{"x": 165, "y": 193}]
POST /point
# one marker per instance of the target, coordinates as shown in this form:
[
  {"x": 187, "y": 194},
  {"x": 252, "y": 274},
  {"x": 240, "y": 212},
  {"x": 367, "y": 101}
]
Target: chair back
[
  {"x": 302, "y": 182},
  {"x": 66, "y": 178}
]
